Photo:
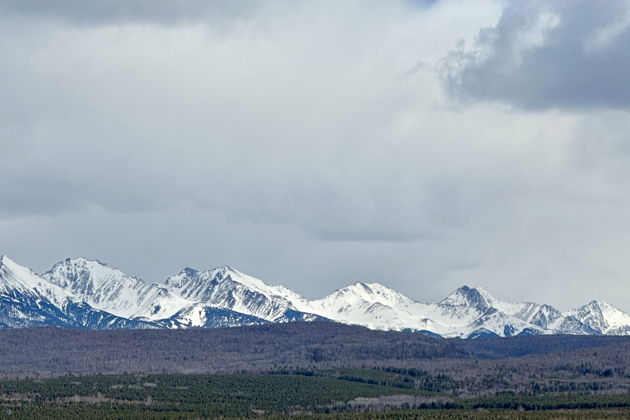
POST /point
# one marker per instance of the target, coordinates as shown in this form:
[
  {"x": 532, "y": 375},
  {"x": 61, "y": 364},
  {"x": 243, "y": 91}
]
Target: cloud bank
[
  {"x": 543, "y": 55},
  {"x": 422, "y": 145}
]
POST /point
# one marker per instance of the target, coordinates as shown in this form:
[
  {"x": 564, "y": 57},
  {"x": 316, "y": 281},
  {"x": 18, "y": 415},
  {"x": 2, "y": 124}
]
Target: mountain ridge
[{"x": 84, "y": 293}]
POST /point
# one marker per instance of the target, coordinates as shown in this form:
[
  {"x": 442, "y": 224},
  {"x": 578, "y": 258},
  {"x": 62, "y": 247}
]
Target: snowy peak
[
  {"x": 15, "y": 278},
  {"x": 370, "y": 290},
  {"x": 113, "y": 291},
  {"x": 229, "y": 274},
  {"x": 369, "y": 304},
  {"x": 365, "y": 293},
  {"x": 225, "y": 287},
  {"x": 84, "y": 276},
  {"x": 198, "y": 285},
  {"x": 474, "y": 297},
  {"x": 10, "y": 266},
  {"x": 603, "y": 317},
  {"x": 190, "y": 278},
  {"x": 86, "y": 293},
  {"x": 180, "y": 279},
  {"x": 29, "y": 300},
  {"x": 9, "y": 263},
  {"x": 540, "y": 315}
]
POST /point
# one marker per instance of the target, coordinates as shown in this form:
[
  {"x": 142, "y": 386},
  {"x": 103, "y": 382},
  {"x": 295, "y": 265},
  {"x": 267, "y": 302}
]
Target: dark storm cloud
[
  {"x": 124, "y": 11},
  {"x": 548, "y": 54}
]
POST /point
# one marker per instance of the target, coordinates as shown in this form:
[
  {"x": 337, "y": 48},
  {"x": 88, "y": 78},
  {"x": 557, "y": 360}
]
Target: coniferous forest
[{"x": 318, "y": 370}]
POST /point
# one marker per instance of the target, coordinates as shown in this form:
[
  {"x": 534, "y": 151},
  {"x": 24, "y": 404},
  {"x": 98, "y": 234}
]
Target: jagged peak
[
  {"x": 69, "y": 268},
  {"x": 21, "y": 278},
  {"x": 5, "y": 260},
  {"x": 219, "y": 272},
  {"x": 181, "y": 278},
  {"x": 470, "y": 296},
  {"x": 365, "y": 287},
  {"x": 373, "y": 286},
  {"x": 365, "y": 303},
  {"x": 350, "y": 288},
  {"x": 222, "y": 273},
  {"x": 366, "y": 292},
  {"x": 187, "y": 271},
  {"x": 225, "y": 270},
  {"x": 597, "y": 304},
  {"x": 359, "y": 285},
  {"x": 83, "y": 261},
  {"x": 11, "y": 265}
]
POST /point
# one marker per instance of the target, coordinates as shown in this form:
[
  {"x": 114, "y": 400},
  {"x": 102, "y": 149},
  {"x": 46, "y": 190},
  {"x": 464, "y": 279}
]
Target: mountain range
[{"x": 83, "y": 293}]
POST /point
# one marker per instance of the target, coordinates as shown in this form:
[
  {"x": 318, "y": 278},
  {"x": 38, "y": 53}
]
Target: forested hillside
[{"x": 57, "y": 351}]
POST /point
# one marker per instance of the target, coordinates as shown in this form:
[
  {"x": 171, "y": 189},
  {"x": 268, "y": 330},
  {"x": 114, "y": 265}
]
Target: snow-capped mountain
[
  {"x": 111, "y": 290},
  {"x": 603, "y": 317},
  {"x": 466, "y": 311},
  {"x": 17, "y": 279},
  {"x": 372, "y": 305},
  {"x": 82, "y": 293},
  {"x": 28, "y": 300},
  {"x": 225, "y": 287}
]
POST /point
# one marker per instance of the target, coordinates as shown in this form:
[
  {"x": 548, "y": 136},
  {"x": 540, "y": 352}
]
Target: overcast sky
[{"x": 420, "y": 144}]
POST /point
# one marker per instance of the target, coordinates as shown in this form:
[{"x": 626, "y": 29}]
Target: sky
[{"x": 423, "y": 145}]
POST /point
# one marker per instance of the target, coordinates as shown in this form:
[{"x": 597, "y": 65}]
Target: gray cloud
[
  {"x": 130, "y": 11},
  {"x": 544, "y": 55},
  {"x": 303, "y": 143},
  {"x": 162, "y": 12}
]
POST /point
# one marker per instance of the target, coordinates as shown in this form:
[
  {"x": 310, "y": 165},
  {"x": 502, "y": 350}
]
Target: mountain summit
[
  {"x": 470, "y": 296},
  {"x": 111, "y": 290},
  {"x": 84, "y": 293}
]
